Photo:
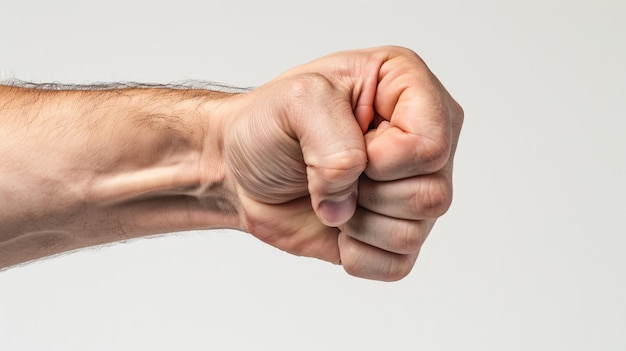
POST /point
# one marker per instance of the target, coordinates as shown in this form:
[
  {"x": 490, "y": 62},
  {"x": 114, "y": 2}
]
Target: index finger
[{"x": 418, "y": 136}]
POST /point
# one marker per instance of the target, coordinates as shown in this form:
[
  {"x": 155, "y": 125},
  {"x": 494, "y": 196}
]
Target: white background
[{"x": 530, "y": 256}]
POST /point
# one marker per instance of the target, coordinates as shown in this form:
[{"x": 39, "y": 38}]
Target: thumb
[{"x": 333, "y": 148}]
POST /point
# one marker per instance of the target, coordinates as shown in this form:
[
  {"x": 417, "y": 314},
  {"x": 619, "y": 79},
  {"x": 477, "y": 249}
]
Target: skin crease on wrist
[{"x": 347, "y": 158}]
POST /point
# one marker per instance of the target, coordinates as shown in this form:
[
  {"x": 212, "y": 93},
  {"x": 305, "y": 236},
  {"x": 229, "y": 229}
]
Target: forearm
[{"x": 82, "y": 168}]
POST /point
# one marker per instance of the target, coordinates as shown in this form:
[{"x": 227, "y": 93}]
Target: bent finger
[
  {"x": 424, "y": 121},
  {"x": 362, "y": 260},
  {"x": 415, "y": 198},
  {"x": 387, "y": 233}
]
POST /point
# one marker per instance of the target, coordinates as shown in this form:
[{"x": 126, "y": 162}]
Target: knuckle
[
  {"x": 433, "y": 151},
  {"x": 344, "y": 162},
  {"x": 434, "y": 200},
  {"x": 407, "y": 238},
  {"x": 397, "y": 270},
  {"x": 405, "y": 53}
]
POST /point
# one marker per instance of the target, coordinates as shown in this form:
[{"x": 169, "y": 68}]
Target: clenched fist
[{"x": 347, "y": 158}]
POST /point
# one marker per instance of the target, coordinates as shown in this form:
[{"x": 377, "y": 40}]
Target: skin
[{"x": 347, "y": 158}]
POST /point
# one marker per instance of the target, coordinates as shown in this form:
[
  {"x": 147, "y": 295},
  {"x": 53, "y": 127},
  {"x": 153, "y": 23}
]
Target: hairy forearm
[{"x": 86, "y": 167}]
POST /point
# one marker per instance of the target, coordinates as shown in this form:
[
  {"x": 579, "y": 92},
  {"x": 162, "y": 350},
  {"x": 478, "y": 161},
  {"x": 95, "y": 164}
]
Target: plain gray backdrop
[{"x": 529, "y": 257}]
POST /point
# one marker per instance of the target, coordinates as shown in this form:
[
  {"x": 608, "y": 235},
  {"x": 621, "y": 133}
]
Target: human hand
[{"x": 347, "y": 158}]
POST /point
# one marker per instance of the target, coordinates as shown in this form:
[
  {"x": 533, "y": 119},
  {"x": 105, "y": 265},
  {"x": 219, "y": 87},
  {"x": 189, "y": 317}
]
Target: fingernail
[{"x": 338, "y": 210}]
